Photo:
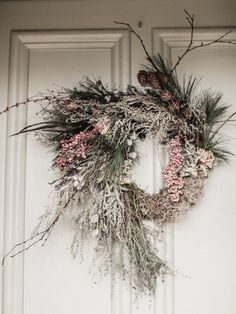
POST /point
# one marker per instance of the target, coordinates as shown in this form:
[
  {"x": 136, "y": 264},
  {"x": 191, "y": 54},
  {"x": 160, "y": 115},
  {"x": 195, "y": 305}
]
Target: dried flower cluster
[
  {"x": 173, "y": 182},
  {"x": 73, "y": 148},
  {"x": 205, "y": 157}
]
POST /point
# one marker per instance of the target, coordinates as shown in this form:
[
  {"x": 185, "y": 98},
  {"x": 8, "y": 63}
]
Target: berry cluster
[
  {"x": 173, "y": 182},
  {"x": 73, "y": 148}
]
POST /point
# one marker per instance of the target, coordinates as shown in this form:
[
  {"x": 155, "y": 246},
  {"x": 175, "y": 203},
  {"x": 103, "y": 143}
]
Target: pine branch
[
  {"x": 215, "y": 145},
  {"x": 167, "y": 79},
  {"x": 213, "y": 108}
]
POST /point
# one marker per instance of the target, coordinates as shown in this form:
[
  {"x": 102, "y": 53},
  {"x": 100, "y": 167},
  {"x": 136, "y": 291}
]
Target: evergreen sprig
[
  {"x": 215, "y": 109},
  {"x": 215, "y": 144}
]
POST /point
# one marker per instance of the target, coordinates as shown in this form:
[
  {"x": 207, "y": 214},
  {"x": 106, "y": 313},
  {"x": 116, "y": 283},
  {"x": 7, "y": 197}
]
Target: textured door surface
[{"x": 48, "y": 44}]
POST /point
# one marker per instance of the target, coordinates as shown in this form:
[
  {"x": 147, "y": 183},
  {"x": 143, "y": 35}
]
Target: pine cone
[
  {"x": 187, "y": 113},
  {"x": 142, "y": 77},
  {"x": 153, "y": 80},
  {"x": 175, "y": 106},
  {"x": 166, "y": 95}
]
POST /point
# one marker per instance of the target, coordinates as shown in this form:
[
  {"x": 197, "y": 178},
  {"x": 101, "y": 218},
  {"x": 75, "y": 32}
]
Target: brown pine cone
[
  {"x": 166, "y": 95},
  {"x": 175, "y": 106},
  {"x": 142, "y": 77},
  {"x": 187, "y": 113},
  {"x": 153, "y": 80}
]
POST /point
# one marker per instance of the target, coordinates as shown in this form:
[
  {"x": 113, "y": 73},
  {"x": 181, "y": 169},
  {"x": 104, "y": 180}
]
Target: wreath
[{"x": 94, "y": 131}]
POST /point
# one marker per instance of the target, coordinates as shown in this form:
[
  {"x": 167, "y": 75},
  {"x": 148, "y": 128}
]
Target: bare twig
[
  {"x": 36, "y": 238},
  {"x": 14, "y": 106},
  {"x": 35, "y": 99},
  {"x": 224, "y": 122},
  {"x": 190, "y": 19},
  {"x": 25, "y": 102},
  {"x": 190, "y": 47},
  {"x": 149, "y": 58},
  {"x": 39, "y": 236}
]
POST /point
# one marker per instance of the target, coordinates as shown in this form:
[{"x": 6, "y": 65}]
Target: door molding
[{"x": 22, "y": 43}]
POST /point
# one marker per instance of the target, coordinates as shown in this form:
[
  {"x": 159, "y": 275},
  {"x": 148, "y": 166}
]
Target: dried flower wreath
[{"x": 94, "y": 130}]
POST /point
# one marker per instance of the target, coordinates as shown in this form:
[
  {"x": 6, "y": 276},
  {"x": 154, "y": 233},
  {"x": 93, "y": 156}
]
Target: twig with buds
[{"x": 190, "y": 47}]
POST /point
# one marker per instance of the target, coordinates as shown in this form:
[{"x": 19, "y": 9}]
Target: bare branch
[
  {"x": 31, "y": 99},
  {"x": 149, "y": 58},
  {"x": 36, "y": 238},
  {"x": 190, "y": 19},
  {"x": 222, "y": 124},
  {"x": 190, "y": 47},
  {"x": 35, "y": 99},
  {"x": 13, "y": 106}
]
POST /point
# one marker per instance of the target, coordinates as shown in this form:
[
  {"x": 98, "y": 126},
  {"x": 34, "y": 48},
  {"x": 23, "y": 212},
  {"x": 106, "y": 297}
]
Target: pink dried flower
[
  {"x": 74, "y": 148},
  {"x": 173, "y": 182}
]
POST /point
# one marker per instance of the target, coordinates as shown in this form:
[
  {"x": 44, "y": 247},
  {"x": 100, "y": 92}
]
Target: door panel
[
  {"x": 207, "y": 256},
  {"x": 50, "y": 60},
  {"x": 204, "y": 240}
]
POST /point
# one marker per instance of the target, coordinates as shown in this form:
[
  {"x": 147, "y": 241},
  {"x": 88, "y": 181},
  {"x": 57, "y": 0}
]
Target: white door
[{"x": 49, "y": 44}]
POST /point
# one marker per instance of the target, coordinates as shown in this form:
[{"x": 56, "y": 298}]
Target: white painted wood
[
  {"x": 29, "y": 59},
  {"x": 199, "y": 244},
  {"x": 48, "y": 280},
  {"x": 15, "y": 181}
]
